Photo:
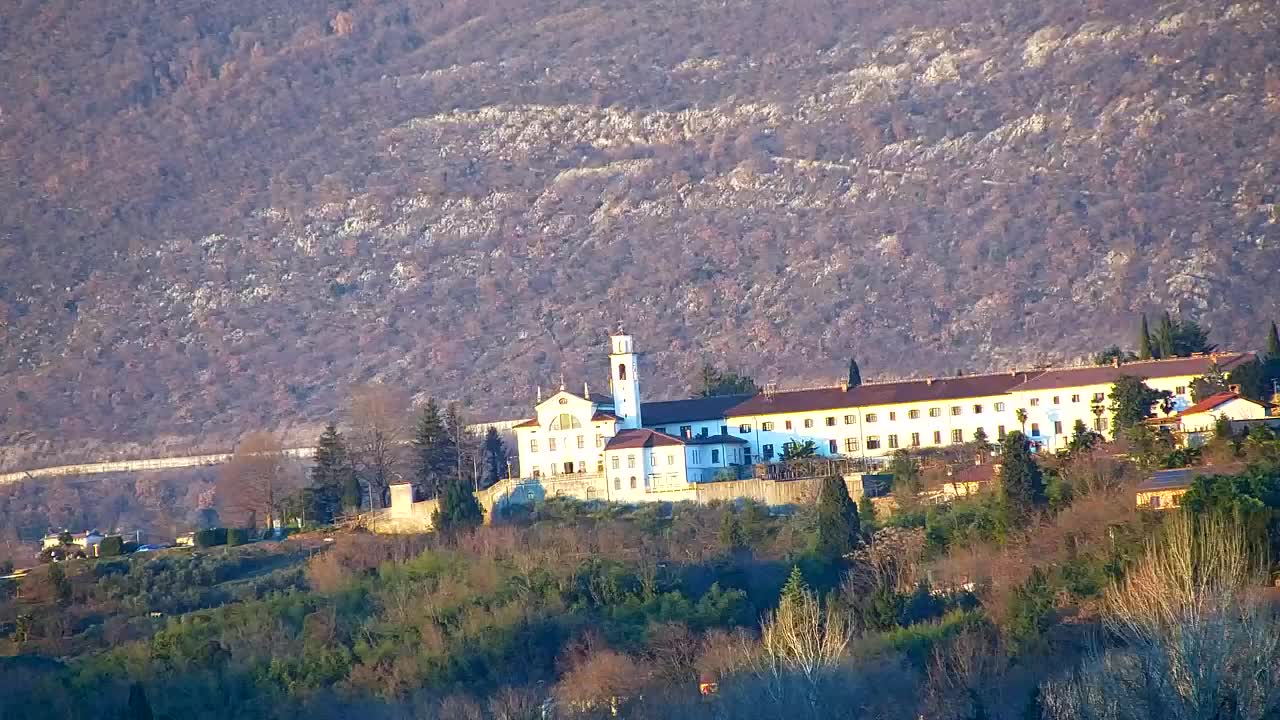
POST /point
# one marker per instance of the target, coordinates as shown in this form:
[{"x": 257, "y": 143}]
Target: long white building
[{"x": 654, "y": 450}]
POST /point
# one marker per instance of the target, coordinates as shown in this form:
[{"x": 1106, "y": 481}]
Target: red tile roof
[
  {"x": 890, "y": 393},
  {"x": 641, "y": 438},
  {"x": 531, "y": 422},
  {"x": 1210, "y": 403},
  {"x": 1107, "y": 374},
  {"x": 693, "y": 409},
  {"x": 601, "y": 416}
]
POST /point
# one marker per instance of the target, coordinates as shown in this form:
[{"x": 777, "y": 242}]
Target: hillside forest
[{"x": 223, "y": 215}]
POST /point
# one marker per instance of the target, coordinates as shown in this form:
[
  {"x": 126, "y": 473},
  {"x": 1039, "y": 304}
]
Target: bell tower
[{"x": 624, "y": 380}]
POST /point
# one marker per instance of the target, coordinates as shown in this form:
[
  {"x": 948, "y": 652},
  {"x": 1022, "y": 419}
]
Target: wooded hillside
[{"x": 218, "y": 215}]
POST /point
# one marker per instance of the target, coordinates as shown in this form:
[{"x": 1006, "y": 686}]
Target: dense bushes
[{"x": 211, "y": 537}]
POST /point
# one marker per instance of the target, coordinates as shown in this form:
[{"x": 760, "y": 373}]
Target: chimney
[
  {"x": 770, "y": 389},
  {"x": 1115, "y": 362},
  {"x": 586, "y": 390},
  {"x": 1234, "y": 388},
  {"x": 844, "y": 386},
  {"x": 539, "y": 393},
  {"x": 928, "y": 381},
  {"x": 1013, "y": 372}
]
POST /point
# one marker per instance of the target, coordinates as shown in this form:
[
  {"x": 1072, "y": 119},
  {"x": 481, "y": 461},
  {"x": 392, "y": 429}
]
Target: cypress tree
[
  {"x": 839, "y": 530},
  {"x": 1144, "y": 341},
  {"x": 495, "y": 458},
  {"x": 1273, "y": 344},
  {"x": 330, "y": 476},
  {"x": 855, "y": 374},
  {"x": 139, "y": 707},
  {"x": 434, "y": 450},
  {"x": 1021, "y": 482},
  {"x": 1164, "y": 337},
  {"x": 732, "y": 537},
  {"x": 459, "y": 509}
]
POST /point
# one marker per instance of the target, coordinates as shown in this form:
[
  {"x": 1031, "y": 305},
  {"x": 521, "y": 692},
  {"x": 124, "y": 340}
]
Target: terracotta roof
[
  {"x": 531, "y": 422},
  {"x": 641, "y": 438},
  {"x": 674, "y": 411},
  {"x": 1210, "y": 403},
  {"x": 1107, "y": 374},
  {"x": 890, "y": 393},
  {"x": 715, "y": 440},
  {"x": 601, "y": 416}
]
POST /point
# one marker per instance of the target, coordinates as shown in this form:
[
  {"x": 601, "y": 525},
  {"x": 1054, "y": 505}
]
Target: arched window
[
  {"x": 622, "y": 371},
  {"x": 565, "y": 421}
]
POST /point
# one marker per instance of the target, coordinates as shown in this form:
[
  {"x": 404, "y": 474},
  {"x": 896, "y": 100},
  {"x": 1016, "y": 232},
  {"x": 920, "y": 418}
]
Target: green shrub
[
  {"x": 111, "y": 546},
  {"x": 237, "y": 536},
  {"x": 211, "y": 537}
]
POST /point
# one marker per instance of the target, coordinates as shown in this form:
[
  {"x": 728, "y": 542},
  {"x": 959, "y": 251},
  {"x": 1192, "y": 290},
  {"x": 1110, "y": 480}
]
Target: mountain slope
[{"x": 218, "y": 215}]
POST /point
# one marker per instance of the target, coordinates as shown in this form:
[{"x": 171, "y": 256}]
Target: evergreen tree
[
  {"x": 906, "y": 475},
  {"x": 839, "y": 530},
  {"x": 1082, "y": 438},
  {"x": 331, "y": 475},
  {"x": 139, "y": 707},
  {"x": 1021, "y": 482},
  {"x": 867, "y": 515},
  {"x": 1145, "y": 351},
  {"x": 1131, "y": 401},
  {"x": 855, "y": 374},
  {"x": 1164, "y": 337},
  {"x": 1188, "y": 338},
  {"x": 434, "y": 450},
  {"x": 494, "y": 456},
  {"x": 981, "y": 439},
  {"x": 1273, "y": 344},
  {"x": 459, "y": 509},
  {"x": 1214, "y": 381},
  {"x": 732, "y": 537},
  {"x": 713, "y": 381},
  {"x": 796, "y": 588},
  {"x": 460, "y": 438}
]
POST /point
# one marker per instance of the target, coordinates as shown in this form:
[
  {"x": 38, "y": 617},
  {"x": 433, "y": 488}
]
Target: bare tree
[
  {"x": 379, "y": 427},
  {"x": 1196, "y": 644},
  {"x": 803, "y": 640},
  {"x": 253, "y": 481}
]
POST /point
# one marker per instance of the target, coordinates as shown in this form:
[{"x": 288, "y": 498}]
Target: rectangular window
[
  {"x": 935, "y": 412},
  {"x": 633, "y": 482},
  {"x": 915, "y": 439},
  {"x": 724, "y": 429},
  {"x": 956, "y": 410},
  {"x": 617, "y": 483},
  {"x": 703, "y": 432},
  {"x": 788, "y": 424},
  {"x": 850, "y": 419},
  {"x": 600, "y": 466},
  {"x": 808, "y": 422},
  {"x": 1097, "y": 424},
  {"x": 1035, "y": 402},
  {"x": 697, "y": 456},
  {"x": 893, "y": 442},
  {"x": 913, "y": 414},
  {"x": 537, "y": 471},
  {"x": 766, "y": 426},
  {"x": 744, "y": 428},
  {"x": 1099, "y": 397},
  {"x": 533, "y": 445},
  {"x": 833, "y": 447},
  {"x": 1180, "y": 390},
  {"x": 582, "y": 441},
  {"x": 615, "y": 462},
  {"x": 893, "y": 415},
  {"x": 686, "y": 431},
  {"x": 766, "y": 451},
  {"x": 1035, "y": 429},
  {"x": 957, "y": 436},
  {"x": 582, "y": 466},
  {"x": 873, "y": 442},
  {"x": 1057, "y": 427},
  {"x": 1055, "y": 399},
  {"x": 871, "y": 417},
  {"x": 1000, "y": 432},
  {"x": 937, "y": 437},
  {"x": 831, "y": 421},
  {"x": 977, "y": 409},
  {"x": 999, "y": 407},
  {"x": 653, "y": 459},
  {"x": 1075, "y": 397},
  {"x": 631, "y": 462},
  {"x": 551, "y": 444},
  {"x": 715, "y": 456},
  {"x": 599, "y": 441},
  {"x": 671, "y": 459},
  {"x": 851, "y": 445}
]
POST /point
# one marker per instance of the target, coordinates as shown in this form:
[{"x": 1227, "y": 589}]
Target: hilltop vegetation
[{"x": 218, "y": 215}]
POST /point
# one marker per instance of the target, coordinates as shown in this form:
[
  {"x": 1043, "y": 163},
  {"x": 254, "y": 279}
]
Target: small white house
[
  {"x": 84, "y": 540},
  {"x": 1197, "y": 422}
]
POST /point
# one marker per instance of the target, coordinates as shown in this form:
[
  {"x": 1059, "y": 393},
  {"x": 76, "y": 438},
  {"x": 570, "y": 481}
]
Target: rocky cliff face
[{"x": 219, "y": 216}]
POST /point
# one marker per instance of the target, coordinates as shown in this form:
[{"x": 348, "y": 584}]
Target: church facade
[{"x": 639, "y": 451}]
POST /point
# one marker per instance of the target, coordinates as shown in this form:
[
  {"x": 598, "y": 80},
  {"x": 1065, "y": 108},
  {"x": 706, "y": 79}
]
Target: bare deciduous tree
[
  {"x": 802, "y": 638},
  {"x": 379, "y": 427},
  {"x": 253, "y": 481}
]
